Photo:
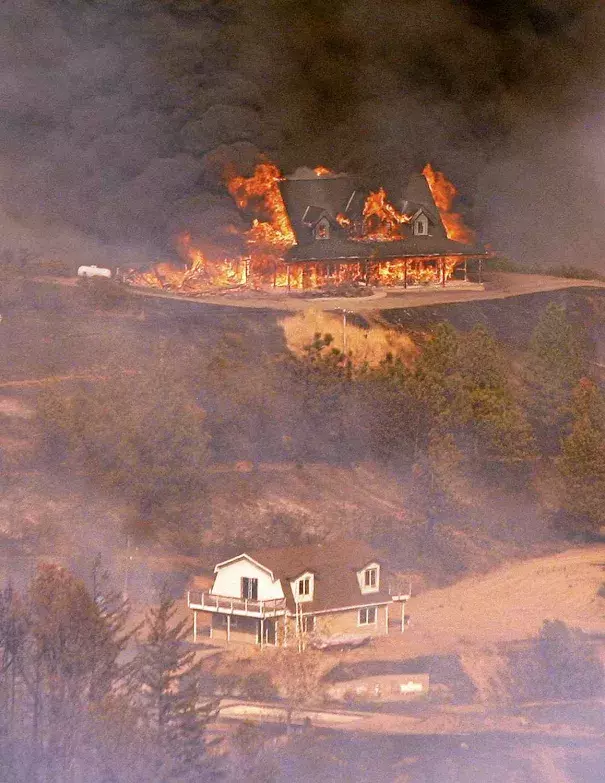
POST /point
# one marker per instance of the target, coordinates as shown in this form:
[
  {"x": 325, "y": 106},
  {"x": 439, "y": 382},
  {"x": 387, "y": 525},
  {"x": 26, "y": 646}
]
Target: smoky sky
[{"x": 118, "y": 117}]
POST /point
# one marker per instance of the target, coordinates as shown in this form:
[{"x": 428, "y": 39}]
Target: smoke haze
[{"x": 119, "y": 117}]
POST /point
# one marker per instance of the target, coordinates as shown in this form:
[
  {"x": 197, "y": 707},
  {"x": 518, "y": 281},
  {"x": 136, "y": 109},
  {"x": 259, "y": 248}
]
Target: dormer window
[
  {"x": 369, "y": 578},
  {"x": 302, "y": 587},
  {"x": 322, "y": 229},
  {"x": 421, "y": 226}
]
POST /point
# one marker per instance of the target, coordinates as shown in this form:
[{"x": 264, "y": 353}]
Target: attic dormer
[
  {"x": 303, "y": 587},
  {"x": 420, "y": 225},
  {"x": 322, "y": 229},
  {"x": 369, "y": 578}
]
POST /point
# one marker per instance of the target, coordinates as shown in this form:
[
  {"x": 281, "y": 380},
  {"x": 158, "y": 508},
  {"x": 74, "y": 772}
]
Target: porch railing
[{"x": 221, "y": 603}]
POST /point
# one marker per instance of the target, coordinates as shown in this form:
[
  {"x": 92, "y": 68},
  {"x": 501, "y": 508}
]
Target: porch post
[
  {"x": 405, "y": 274},
  {"x": 480, "y": 270},
  {"x": 195, "y": 625},
  {"x": 443, "y": 272},
  {"x": 288, "y": 268},
  {"x": 386, "y": 619},
  {"x": 465, "y": 271},
  {"x": 402, "y": 616},
  {"x": 262, "y": 632},
  {"x": 228, "y": 627}
]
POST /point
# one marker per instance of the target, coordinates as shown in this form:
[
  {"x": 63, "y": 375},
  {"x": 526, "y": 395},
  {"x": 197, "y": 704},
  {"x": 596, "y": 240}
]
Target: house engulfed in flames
[{"x": 316, "y": 228}]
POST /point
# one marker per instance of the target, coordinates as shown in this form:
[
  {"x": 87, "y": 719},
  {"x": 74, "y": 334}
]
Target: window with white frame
[
  {"x": 370, "y": 577},
  {"x": 249, "y": 588},
  {"x": 421, "y": 226},
  {"x": 302, "y": 587},
  {"x": 367, "y": 616}
]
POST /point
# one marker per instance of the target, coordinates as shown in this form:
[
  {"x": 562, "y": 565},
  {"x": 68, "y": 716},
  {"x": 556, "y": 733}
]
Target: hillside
[{"x": 52, "y": 337}]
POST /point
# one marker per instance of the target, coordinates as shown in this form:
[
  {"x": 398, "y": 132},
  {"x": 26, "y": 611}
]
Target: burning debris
[{"x": 316, "y": 228}]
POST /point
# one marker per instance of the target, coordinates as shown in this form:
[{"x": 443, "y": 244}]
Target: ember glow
[{"x": 265, "y": 263}]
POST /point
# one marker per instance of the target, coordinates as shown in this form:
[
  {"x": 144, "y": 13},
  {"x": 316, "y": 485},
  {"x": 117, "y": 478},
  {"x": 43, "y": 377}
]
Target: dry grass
[
  {"x": 363, "y": 345},
  {"x": 508, "y": 604}
]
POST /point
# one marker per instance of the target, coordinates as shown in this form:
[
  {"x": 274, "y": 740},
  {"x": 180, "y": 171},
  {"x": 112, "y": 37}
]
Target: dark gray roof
[
  {"x": 312, "y": 215},
  {"x": 418, "y": 191},
  {"x": 331, "y": 193},
  {"x": 418, "y": 195},
  {"x": 338, "y": 249}
]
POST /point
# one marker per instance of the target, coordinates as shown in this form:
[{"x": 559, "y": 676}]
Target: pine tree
[
  {"x": 556, "y": 360},
  {"x": 582, "y": 460},
  {"x": 500, "y": 433},
  {"x": 165, "y": 679}
]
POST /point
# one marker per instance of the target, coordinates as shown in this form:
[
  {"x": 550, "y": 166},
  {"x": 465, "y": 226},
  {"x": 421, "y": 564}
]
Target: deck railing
[{"x": 223, "y": 603}]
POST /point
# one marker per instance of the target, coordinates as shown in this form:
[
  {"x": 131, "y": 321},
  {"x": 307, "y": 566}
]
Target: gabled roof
[
  {"x": 244, "y": 556},
  {"x": 334, "y": 566},
  {"x": 312, "y": 216},
  {"x": 331, "y": 193}
]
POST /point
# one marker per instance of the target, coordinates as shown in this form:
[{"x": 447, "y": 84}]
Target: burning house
[
  {"x": 343, "y": 234},
  {"x": 318, "y": 228}
]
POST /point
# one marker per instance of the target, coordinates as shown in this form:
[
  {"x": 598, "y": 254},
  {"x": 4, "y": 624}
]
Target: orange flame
[
  {"x": 271, "y": 235},
  {"x": 261, "y": 193},
  {"x": 381, "y": 220},
  {"x": 444, "y": 192}
]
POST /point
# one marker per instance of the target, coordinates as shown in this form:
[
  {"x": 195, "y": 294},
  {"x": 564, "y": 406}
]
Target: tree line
[
  {"x": 465, "y": 410},
  {"x": 85, "y": 694}
]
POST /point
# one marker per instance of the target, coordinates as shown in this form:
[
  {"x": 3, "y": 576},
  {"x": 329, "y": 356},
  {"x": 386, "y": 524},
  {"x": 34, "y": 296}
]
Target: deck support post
[
  {"x": 262, "y": 632},
  {"x": 195, "y": 625},
  {"x": 228, "y": 627},
  {"x": 386, "y": 619},
  {"x": 402, "y": 616}
]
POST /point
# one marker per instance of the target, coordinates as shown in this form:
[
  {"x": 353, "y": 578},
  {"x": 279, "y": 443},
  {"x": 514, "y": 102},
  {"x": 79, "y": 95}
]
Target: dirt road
[{"x": 498, "y": 285}]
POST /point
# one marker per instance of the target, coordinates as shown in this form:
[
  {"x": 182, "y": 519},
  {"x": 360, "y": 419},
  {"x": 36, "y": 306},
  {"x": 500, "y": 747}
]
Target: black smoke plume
[{"x": 118, "y": 117}]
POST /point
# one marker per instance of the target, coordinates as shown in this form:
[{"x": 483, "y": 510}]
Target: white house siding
[{"x": 228, "y": 581}]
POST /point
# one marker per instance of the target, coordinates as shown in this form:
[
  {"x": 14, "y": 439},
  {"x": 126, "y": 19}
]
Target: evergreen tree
[
  {"x": 165, "y": 679},
  {"x": 126, "y": 430},
  {"x": 582, "y": 460},
  {"x": 556, "y": 360},
  {"x": 500, "y": 433}
]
